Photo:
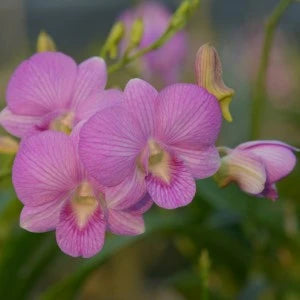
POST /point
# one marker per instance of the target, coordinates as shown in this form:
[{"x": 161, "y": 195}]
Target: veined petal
[
  {"x": 127, "y": 193},
  {"x": 125, "y": 223},
  {"x": 45, "y": 168},
  {"x": 141, "y": 206},
  {"x": 278, "y": 158},
  {"x": 178, "y": 191},
  {"x": 187, "y": 116},
  {"x": 110, "y": 142},
  {"x": 202, "y": 163},
  {"x": 97, "y": 102},
  {"x": 91, "y": 79},
  {"x": 245, "y": 169},
  {"x": 18, "y": 125},
  {"x": 77, "y": 239},
  {"x": 41, "y": 218},
  {"x": 140, "y": 101},
  {"x": 42, "y": 83}
]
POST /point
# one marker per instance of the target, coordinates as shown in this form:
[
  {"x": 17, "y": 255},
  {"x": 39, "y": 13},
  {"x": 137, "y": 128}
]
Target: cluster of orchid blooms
[{"x": 93, "y": 160}]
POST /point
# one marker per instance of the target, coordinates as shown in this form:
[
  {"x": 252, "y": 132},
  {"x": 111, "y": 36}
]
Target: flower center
[
  {"x": 85, "y": 202},
  {"x": 63, "y": 123},
  {"x": 155, "y": 160}
]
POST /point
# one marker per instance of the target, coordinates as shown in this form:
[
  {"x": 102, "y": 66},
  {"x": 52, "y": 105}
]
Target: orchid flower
[
  {"x": 164, "y": 140},
  {"x": 257, "y": 166},
  {"x": 58, "y": 195},
  {"x": 164, "y": 62},
  {"x": 49, "y": 91}
]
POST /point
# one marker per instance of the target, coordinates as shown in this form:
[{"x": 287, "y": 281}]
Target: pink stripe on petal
[
  {"x": 42, "y": 83},
  {"x": 97, "y": 102},
  {"x": 178, "y": 192},
  {"x": 91, "y": 79},
  {"x": 45, "y": 168},
  {"x": 41, "y": 218},
  {"x": 80, "y": 241},
  {"x": 140, "y": 100},
  {"x": 187, "y": 116},
  {"x": 110, "y": 142},
  {"x": 124, "y": 223},
  {"x": 278, "y": 158},
  {"x": 202, "y": 163},
  {"x": 18, "y": 125},
  {"x": 127, "y": 193}
]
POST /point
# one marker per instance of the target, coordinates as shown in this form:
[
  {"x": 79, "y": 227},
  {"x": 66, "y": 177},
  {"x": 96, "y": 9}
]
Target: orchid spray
[{"x": 93, "y": 160}]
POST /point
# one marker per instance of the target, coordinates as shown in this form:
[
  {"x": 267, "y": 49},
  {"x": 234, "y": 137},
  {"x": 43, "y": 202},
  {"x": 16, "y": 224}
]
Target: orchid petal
[
  {"x": 141, "y": 206},
  {"x": 245, "y": 169},
  {"x": 202, "y": 163},
  {"x": 41, "y": 83},
  {"x": 127, "y": 193},
  {"x": 18, "y": 125},
  {"x": 45, "y": 168},
  {"x": 278, "y": 158},
  {"x": 110, "y": 142},
  {"x": 124, "y": 223},
  {"x": 179, "y": 191},
  {"x": 91, "y": 79},
  {"x": 76, "y": 240},
  {"x": 140, "y": 100},
  {"x": 97, "y": 102},
  {"x": 41, "y": 218},
  {"x": 187, "y": 116}
]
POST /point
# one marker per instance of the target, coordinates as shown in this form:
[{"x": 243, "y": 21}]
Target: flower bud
[
  {"x": 256, "y": 166},
  {"x": 136, "y": 34},
  {"x": 243, "y": 169},
  {"x": 178, "y": 19},
  {"x": 45, "y": 42},
  {"x": 208, "y": 69},
  {"x": 8, "y": 145},
  {"x": 113, "y": 40}
]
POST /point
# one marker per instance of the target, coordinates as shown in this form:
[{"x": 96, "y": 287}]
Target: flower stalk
[
  {"x": 176, "y": 23},
  {"x": 259, "y": 93}
]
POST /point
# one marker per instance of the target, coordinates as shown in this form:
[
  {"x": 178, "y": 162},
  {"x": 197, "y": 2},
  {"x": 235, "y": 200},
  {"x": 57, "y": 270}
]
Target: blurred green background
[{"x": 225, "y": 245}]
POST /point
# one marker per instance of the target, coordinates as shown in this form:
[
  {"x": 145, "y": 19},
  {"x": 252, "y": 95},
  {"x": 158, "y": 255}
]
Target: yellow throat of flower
[
  {"x": 157, "y": 162},
  {"x": 63, "y": 123},
  {"x": 84, "y": 203}
]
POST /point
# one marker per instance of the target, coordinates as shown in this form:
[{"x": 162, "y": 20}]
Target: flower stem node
[{"x": 208, "y": 69}]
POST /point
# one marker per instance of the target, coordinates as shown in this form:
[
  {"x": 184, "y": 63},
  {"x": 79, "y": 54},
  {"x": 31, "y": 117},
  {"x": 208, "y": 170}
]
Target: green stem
[
  {"x": 259, "y": 93},
  {"x": 179, "y": 18},
  {"x": 126, "y": 59}
]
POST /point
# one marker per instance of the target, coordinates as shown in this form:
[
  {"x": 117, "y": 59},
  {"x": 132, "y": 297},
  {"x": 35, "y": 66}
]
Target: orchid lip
[
  {"x": 85, "y": 202},
  {"x": 155, "y": 160}
]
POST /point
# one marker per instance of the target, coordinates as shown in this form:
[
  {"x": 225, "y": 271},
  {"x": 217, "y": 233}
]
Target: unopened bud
[
  {"x": 45, "y": 42},
  {"x": 113, "y": 40},
  {"x": 8, "y": 145},
  {"x": 179, "y": 17},
  {"x": 209, "y": 76},
  {"x": 136, "y": 34}
]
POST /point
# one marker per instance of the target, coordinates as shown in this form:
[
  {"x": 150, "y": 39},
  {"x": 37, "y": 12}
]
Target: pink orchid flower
[
  {"x": 58, "y": 195},
  {"x": 166, "y": 61},
  {"x": 256, "y": 166},
  {"x": 49, "y": 91},
  {"x": 164, "y": 140}
]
